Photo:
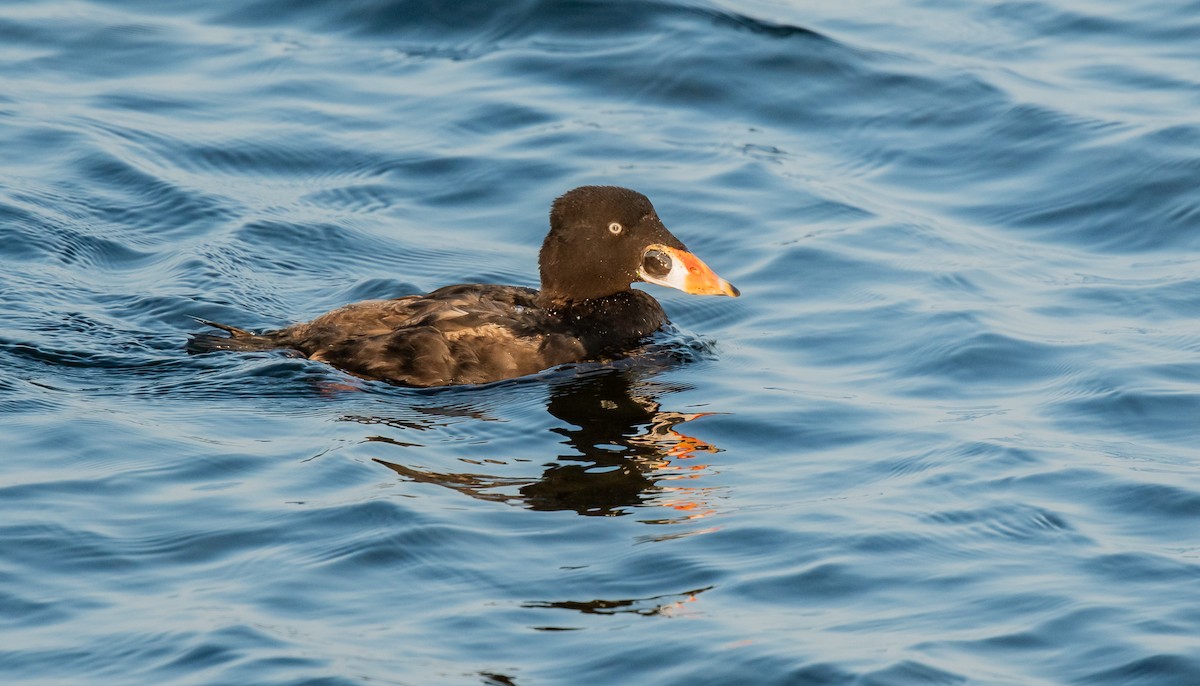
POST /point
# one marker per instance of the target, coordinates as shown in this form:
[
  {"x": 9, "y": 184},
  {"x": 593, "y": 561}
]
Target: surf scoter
[{"x": 601, "y": 240}]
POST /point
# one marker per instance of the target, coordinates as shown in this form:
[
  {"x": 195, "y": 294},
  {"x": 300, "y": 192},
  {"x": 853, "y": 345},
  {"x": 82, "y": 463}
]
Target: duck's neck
[
  {"x": 557, "y": 301},
  {"x": 555, "y": 293},
  {"x": 613, "y": 320}
]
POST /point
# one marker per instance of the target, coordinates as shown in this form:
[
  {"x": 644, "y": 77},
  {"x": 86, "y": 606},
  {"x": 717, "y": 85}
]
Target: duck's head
[{"x": 604, "y": 238}]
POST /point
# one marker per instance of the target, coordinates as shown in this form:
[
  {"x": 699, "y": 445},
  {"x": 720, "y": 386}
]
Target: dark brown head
[{"x": 604, "y": 238}]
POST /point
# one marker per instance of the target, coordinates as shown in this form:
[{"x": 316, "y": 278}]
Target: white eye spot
[{"x": 615, "y": 228}]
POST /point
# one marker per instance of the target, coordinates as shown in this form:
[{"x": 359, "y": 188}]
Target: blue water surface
[{"x": 950, "y": 434}]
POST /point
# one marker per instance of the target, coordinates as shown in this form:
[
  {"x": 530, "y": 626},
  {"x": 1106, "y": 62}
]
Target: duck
[{"x": 602, "y": 240}]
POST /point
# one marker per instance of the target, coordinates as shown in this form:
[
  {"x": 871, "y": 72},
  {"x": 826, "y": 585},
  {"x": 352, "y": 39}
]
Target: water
[{"x": 948, "y": 435}]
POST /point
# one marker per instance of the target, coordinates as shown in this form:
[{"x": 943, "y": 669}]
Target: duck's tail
[{"x": 238, "y": 339}]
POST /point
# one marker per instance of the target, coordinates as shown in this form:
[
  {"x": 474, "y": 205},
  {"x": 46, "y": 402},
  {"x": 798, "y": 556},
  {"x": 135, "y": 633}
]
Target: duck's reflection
[
  {"x": 625, "y": 452},
  {"x": 673, "y": 604}
]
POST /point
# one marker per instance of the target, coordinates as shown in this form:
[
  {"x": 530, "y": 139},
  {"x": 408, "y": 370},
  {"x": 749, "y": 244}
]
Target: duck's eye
[{"x": 615, "y": 228}]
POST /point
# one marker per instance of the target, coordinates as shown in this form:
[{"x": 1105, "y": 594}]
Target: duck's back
[{"x": 466, "y": 334}]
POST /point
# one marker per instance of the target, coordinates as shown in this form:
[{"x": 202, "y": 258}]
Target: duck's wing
[{"x": 456, "y": 335}]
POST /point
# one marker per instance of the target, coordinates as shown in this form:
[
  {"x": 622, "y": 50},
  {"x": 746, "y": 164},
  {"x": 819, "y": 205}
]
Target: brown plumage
[{"x": 601, "y": 240}]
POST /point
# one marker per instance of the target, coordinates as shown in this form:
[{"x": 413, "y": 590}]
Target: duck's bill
[{"x": 675, "y": 268}]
